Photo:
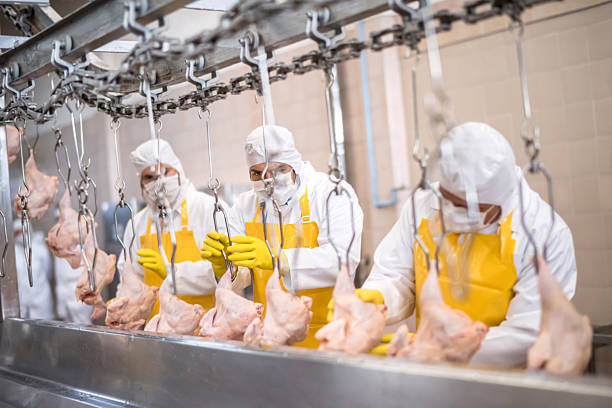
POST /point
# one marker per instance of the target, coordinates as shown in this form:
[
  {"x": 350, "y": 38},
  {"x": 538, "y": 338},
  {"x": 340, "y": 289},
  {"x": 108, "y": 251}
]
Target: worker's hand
[
  {"x": 250, "y": 252},
  {"x": 212, "y": 250},
  {"x": 367, "y": 295},
  {"x": 152, "y": 260}
]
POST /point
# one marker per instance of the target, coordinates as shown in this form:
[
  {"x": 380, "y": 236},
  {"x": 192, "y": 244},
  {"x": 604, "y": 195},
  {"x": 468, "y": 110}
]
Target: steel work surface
[{"x": 139, "y": 369}]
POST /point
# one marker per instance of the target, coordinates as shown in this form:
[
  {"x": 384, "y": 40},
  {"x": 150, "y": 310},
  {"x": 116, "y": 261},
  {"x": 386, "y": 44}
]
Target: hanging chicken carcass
[
  {"x": 356, "y": 326},
  {"x": 63, "y": 237},
  {"x": 232, "y": 313},
  {"x": 287, "y": 317},
  {"x": 12, "y": 143},
  {"x": 444, "y": 334},
  {"x": 104, "y": 272},
  {"x": 563, "y": 345},
  {"x": 175, "y": 315},
  {"x": 134, "y": 302},
  {"x": 43, "y": 189}
]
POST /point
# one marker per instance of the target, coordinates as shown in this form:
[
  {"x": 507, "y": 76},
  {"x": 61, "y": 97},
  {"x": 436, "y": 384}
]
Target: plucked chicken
[
  {"x": 12, "y": 143},
  {"x": 63, "y": 237},
  {"x": 231, "y": 315},
  {"x": 563, "y": 345},
  {"x": 104, "y": 272},
  {"x": 356, "y": 326},
  {"x": 132, "y": 306},
  {"x": 287, "y": 317},
  {"x": 444, "y": 334},
  {"x": 175, "y": 316},
  {"x": 43, "y": 189}
]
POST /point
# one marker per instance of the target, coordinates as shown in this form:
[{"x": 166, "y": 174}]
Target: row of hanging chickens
[{"x": 444, "y": 335}]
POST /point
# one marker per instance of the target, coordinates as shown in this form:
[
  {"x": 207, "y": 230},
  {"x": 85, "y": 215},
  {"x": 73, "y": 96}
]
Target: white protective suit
[
  {"x": 193, "y": 278},
  {"x": 481, "y": 151},
  {"x": 35, "y": 302},
  {"x": 310, "y": 267},
  {"x": 68, "y": 307}
]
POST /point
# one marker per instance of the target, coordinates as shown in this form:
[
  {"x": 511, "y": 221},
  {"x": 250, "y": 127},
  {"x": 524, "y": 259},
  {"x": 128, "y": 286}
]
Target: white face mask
[
  {"x": 457, "y": 219},
  {"x": 284, "y": 188},
  {"x": 172, "y": 187}
]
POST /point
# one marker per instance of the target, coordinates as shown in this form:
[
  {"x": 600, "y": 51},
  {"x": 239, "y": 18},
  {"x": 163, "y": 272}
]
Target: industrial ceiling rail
[{"x": 101, "y": 21}]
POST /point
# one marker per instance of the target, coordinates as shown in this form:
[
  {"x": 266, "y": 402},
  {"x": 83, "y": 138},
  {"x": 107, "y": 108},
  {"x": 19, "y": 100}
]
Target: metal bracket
[{"x": 320, "y": 18}]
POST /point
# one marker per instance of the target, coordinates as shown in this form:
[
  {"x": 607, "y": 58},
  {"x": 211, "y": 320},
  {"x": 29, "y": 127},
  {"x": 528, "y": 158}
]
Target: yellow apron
[
  {"x": 186, "y": 250},
  {"x": 491, "y": 270},
  {"x": 302, "y": 235}
]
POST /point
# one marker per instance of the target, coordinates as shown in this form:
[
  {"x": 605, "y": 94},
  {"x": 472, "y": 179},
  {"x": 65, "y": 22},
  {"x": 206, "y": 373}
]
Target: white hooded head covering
[
  {"x": 477, "y": 162},
  {"x": 145, "y": 156},
  {"x": 279, "y": 144}
]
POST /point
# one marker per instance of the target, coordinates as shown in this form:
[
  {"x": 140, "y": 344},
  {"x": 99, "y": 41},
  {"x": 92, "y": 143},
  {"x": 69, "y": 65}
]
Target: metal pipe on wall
[{"x": 365, "y": 84}]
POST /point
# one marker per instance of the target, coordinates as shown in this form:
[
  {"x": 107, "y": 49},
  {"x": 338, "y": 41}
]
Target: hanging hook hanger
[
  {"x": 531, "y": 137},
  {"x": 26, "y": 231},
  {"x": 214, "y": 184},
  {"x": 120, "y": 186}
]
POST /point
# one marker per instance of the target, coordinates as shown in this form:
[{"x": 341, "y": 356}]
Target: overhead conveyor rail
[{"x": 82, "y": 366}]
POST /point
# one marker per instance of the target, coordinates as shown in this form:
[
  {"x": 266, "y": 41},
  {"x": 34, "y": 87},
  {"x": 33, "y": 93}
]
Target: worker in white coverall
[
  {"x": 69, "y": 308},
  {"x": 309, "y": 261},
  {"x": 35, "y": 302},
  {"x": 477, "y": 162},
  {"x": 192, "y": 213}
]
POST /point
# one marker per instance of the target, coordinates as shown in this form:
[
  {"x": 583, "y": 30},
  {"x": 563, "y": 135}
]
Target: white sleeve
[
  {"x": 318, "y": 267},
  {"x": 393, "y": 273},
  {"x": 507, "y": 344}
]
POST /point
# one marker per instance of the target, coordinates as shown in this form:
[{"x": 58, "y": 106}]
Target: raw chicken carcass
[
  {"x": 104, "y": 272},
  {"x": 357, "y": 326},
  {"x": 444, "y": 334},
  {"x": 132, "y": 306},
  {"x": 231, "y": 315},
  {"x": 563, "y": 345},
  {"x": 43, "y": 189},
  {"x": 12, "y": 143},
  {"x": 287, "y": 317},
  {"x": 175, "y": 316},
  {"x": 63, "y": 237}
]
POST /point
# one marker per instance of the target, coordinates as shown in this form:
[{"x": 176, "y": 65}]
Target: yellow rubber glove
[
  {"x": 212, "y": 250},
  {"x": 367, "y": 295},
  {"x": 381, "y": 349},
  {"x": 152, "y": 260},
  {"x": 249, "y": 252}
]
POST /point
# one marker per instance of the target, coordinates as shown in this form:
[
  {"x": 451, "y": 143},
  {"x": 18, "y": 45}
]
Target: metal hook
[
  {"x": 335, "y": 172},
  {"x": 130, "y": 23},
  {"x": 59, "y": 143},
  {"x": 159, "y": 231},
  {"x": 407, "y": 12},
  {"x": 90, "y": 226},
  {"x": 338, "y": 191},
  {"x": 6, "y": 246},
  {"x": 249, "y": 42},
  {"x": 532, "y": 146},
  {"x": 199, "y": 64},
  {"x": 26, "y": 234},
  {"x": 322, "y": 17},
  {"x": 56, "y": 60},
  {"x": 441, "y": 116},
  {"x": 128, "y": 249},
  {"x": 17, "y": 93}
]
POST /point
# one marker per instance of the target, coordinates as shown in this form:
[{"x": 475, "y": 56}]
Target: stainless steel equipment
[{"x": 109, "y": 368}]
